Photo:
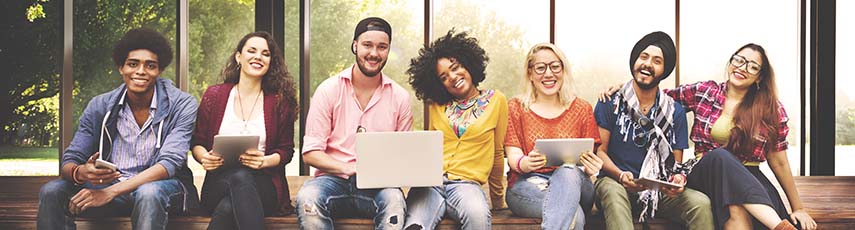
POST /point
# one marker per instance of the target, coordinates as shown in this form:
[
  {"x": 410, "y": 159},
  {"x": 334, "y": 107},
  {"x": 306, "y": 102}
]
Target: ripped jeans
[
  {"x": 460, "y": 200},
  {"x": 327, "y": 197}
]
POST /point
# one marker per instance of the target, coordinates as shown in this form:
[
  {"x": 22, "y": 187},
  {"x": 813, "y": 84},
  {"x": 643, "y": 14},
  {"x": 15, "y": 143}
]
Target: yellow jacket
[{"x": 472, "y": 156}]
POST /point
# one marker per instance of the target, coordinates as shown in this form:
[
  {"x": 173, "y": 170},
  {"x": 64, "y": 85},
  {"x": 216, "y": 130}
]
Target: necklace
[{"x": 245, "y": 118}]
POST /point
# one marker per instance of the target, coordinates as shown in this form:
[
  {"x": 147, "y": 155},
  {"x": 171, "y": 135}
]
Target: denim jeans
[
  {"x": 463, "y": 201},
  {"x": 556, "y": 197},
  {"x": 690, "y": 209},
  {"x": 238, "y": 198},
  {"x": 148, "y": 205},
  {"x": 327, "y": 197}
]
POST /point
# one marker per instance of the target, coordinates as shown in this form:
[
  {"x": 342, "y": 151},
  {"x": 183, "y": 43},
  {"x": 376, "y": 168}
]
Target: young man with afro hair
[{"x": 129, "y": 154}]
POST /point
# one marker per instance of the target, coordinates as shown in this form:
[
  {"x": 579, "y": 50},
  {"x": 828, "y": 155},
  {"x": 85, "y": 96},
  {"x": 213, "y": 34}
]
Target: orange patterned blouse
[{"x": 525, "y": 126}]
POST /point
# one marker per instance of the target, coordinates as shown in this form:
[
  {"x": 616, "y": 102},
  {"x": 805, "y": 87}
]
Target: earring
[
  {"x": 757, "y": 84},
  {"x": 238, "y": 65}
]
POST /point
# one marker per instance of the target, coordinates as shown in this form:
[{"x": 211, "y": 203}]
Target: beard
[
  {"x": 360, "y": 62},
  {"x": 640, "y": 82}
]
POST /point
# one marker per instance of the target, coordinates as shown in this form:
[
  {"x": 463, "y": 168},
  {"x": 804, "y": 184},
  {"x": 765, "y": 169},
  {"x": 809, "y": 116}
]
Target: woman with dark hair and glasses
[
  {"x": 446, "y": 75},
  {"x": 547, "y": 109},
  {"x": 738, "y": 125},
  {"x": 256, "y": 98}
]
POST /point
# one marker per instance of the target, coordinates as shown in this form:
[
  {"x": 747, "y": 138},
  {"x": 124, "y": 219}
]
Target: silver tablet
[
  {"x": 655, "y": 184},
  {"x": 559, "y": 150},
  {"x": 230, "y": 147}
]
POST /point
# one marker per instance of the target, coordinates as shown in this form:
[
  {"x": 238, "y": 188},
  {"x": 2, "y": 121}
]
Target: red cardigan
[{"x": 279, "y": 128}]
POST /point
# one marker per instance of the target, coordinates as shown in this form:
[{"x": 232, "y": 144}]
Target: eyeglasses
[
  {"x": 541, "y": 67},
  {"x": 739, "y": 61},
  {"x": 643, "y": 139}
]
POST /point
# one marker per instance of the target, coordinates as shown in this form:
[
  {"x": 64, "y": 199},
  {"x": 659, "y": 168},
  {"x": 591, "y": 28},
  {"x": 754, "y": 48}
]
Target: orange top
[{"x": 525, "y": 126}]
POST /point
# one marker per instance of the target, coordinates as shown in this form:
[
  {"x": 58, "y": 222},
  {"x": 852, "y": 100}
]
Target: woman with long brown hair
[
  {"x": 738, "y": 125},
  {"x": 257, "y": 97}
]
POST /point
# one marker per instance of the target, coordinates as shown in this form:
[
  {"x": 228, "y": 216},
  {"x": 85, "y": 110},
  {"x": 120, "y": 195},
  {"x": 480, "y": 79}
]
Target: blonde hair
[{"x": 567, "y": 90}]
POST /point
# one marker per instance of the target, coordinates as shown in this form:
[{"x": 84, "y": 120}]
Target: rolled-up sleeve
[{"x": 319, "y": 119}]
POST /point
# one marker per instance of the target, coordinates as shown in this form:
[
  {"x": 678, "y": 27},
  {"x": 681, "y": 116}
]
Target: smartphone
[{"x": 102, "y": 164}]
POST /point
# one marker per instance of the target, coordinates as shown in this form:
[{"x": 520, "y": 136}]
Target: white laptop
[{"x": 398, "y": 159}]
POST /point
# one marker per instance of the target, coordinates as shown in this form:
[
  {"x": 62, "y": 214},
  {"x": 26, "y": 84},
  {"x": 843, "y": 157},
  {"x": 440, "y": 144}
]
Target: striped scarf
[{"x": 659, "y": 148}]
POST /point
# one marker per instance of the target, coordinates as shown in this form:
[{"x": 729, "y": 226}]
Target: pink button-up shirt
[{"x": 335, "y": 114}]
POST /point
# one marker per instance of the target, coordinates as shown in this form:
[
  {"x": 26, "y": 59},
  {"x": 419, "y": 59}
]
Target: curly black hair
[
  {"x": 278, "y": 80},
  {"x": 143, "y": 38},
  {"x": 422, "y": 71}
]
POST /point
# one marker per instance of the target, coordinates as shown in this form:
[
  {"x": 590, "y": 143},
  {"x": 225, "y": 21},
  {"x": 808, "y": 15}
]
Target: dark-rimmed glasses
[
  {"x": 541, "y": 67},
  {"x": 739, "y": 61}
]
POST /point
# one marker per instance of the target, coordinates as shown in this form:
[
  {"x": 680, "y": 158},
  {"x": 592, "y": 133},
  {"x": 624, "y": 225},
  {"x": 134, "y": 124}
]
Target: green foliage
[
  {"x": 845, "y": 130},
  {"x": 34, "y": 12},
  {"x": 215, "y": 28}
]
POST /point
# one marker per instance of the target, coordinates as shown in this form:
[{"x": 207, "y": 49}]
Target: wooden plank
[{"x": 830, "y": 200}]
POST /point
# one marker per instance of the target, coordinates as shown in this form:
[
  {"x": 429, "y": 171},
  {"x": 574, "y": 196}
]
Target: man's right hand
[
  {"x": 349, "y": 169},
  {"x": 211, "y": 161},
  {"x": 629, "y": 183},
  {"x": 89, "y": 173}
]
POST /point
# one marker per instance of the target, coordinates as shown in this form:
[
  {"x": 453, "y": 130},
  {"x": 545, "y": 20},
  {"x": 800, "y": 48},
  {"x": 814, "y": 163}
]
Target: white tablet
[
  {"x": 557, "y": 150},
  {"x": 230, "y": 147},
  {"x": 655, "y": 183}
]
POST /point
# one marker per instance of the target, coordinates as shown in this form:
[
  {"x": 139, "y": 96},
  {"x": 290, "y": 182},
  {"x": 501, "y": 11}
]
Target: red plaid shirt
[{"x": 706, "y": 100}]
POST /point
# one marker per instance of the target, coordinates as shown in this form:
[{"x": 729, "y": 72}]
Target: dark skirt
[{"x": 726, "y": 181}]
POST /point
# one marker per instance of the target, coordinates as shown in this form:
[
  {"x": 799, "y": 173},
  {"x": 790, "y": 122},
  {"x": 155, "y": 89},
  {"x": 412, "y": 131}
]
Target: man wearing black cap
[
  {"x": 358, "y": 99},
  {"x": 644, "y": 133}
]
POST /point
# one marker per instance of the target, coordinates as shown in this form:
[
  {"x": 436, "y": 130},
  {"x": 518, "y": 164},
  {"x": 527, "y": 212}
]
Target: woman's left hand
[
  {"x": 801, "y": 217},
  {"x": 252, "y": 158},
  {"x": 592, "y": 163}
]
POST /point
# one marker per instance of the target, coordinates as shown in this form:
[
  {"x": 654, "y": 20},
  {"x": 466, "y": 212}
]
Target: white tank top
[{"x": 233, "y": 125}]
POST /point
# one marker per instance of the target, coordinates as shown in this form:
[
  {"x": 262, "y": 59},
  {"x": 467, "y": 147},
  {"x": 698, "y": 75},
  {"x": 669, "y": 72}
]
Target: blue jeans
[
  {"x": 148, "y": 205},
  {"x": 463, "y": 201},
  {"x": 556, "y": 197},
  {"x": 238, "y": 198},
  {"x": 326, "y": 197}
]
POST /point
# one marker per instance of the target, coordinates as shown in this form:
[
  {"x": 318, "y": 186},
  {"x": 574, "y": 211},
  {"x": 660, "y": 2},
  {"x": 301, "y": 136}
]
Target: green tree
[{"x": 31, "y": 54}]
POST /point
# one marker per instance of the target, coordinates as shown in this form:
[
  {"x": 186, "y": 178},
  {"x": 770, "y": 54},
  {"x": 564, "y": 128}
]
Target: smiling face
[
  {"x": 648, "y": 68},
  {"x": 372, "y": 49},
  {"x": 749, "y": 72},
  {"x": 551, "y": 77},
  {"x": 140, "y": 71},
  {"x": 455, "y": 78},
  {"x": 254, "y": 57}
]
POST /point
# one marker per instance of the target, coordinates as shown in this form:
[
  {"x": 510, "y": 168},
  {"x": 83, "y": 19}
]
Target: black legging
[{"x": 238, "y": 198}]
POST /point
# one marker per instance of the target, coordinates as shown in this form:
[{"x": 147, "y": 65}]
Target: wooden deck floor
[{"x": 830, "y": 200}]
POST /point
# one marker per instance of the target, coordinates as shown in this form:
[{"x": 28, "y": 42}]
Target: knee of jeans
[
  {"x": 308, "y": 201},
  {"x": 151, "y": 192},
  {"x": 475, "y": 209},
  {"x": 53, "y": 189},
  {"x": 241, "y": 176},
  {"x": 391, "y": 197},
  {"x": 567, "y": 175}
]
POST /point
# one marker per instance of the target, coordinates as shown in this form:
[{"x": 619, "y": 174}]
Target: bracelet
[
  {"x": 518, "y": 164},
  {"x": 74, "y": 175}
]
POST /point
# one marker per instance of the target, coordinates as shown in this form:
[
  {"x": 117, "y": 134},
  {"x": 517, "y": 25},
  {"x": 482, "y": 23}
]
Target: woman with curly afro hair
[{"x": 446, "y": 75}]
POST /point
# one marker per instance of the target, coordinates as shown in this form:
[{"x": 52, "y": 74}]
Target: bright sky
[{"x": 844, "y": 48}]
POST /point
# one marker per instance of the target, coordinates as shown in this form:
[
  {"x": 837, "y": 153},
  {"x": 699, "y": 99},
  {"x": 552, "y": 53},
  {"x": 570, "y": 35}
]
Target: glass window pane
[
  {"x": 215, "y": 27},
  {"x": 29, "y": 95},
  {"x": 292, "y": 60},
  {"x": 505, "y": 29},
  {"x": 845, "y": 96},
  {"x": 599, "y": 52},
  {"x": 707, "y": 44}
]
